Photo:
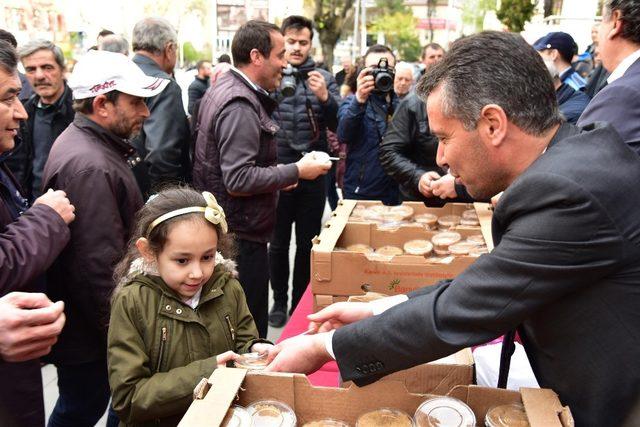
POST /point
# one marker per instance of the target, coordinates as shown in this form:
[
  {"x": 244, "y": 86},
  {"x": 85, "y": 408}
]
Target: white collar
[
  {"x": 623, "y": 66},
  {"x": 194, "y": 300},
  {"x": 251, "y": 83}
]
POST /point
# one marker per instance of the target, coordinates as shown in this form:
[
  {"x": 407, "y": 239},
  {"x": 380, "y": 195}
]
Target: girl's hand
[
  {"x": 225, "y": 357},
  {"x": 262, "y": 348}
]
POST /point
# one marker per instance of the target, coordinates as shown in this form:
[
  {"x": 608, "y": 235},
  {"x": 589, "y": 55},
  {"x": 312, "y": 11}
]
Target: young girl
[{"x": 177, "y": 305}]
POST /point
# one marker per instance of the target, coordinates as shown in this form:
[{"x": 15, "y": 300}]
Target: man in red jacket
[{"x": 30, "y": 240}]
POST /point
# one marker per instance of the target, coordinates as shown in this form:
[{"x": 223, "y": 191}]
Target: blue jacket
[
  {"x": 571, "y": 102},
  {"x": 573, "y": 79},
  {"x": 361, "y": 127}
]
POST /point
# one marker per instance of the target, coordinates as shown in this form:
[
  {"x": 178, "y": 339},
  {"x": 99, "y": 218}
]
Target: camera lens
[{"x": 383, "y": 82}]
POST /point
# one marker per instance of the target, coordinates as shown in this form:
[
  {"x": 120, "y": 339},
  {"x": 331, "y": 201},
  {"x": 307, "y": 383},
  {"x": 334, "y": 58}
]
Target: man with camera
[
  {"x": 363, "y": 119},
  {"x": 307, "y": 105}
]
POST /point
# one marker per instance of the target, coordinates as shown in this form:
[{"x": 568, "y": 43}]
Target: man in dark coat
[
  {"x": 30, "y": 240},
  {"x": 303, "y": 118},
  {"x": 165, "y": 138},
  {"x": 566, "y": 264},
  {"x": 199, "y": 85},
  {"x": 236, "y": 155},
  {"x": 50, "y": 111},
  {"x": 92, "y": 162},
  {"x": 618, "y": 102}
]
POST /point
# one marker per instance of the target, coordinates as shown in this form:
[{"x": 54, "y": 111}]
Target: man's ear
[
  {"x": 256, "y": 57},
  {"x": 616, "y": 20},
  {"x": 492, "y": 124},
  {"x": 100, "y": 106},
  {"x": 145, "y": 249}
]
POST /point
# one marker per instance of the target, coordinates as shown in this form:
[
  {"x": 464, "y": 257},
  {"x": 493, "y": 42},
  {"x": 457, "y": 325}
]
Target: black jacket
[
  {"x": 565, "y": 271},
  {"x": 165, "y": 138},
  {"x": 295, "y": 135},
  {"x": 408, "y": 149},
  {"x": 20, "y": 162},
  {"x": 92, "y": 166},
  {"x": 196, "y": 91}
]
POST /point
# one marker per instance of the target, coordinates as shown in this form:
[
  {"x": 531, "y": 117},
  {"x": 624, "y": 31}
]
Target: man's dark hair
[
  {"x": 105, "y": 33},
  {"x": 8, "y": 37},
  {"x": 8, "y": 57},
  {"x": 494, "y": 68},
  {"x": 201, "y": 63},
  {"x": 296, "y": 22},
  {"x": 85, "y": 106},
  {"x": 630, "y": 11},
  {"x": 378, "y": 48},
  {"x": 224, "y": 58},
  {"x": 432, "y": 46},
  {"x": 252, "y": 35}
]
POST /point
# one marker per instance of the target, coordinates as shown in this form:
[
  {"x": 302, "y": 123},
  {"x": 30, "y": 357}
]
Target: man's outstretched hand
[
  {"x": 303, "y": 354},
  {"x": 337, "y": 315}
]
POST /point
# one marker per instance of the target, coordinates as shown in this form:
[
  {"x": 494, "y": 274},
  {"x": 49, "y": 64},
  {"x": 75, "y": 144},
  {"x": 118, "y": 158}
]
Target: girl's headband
[{"x": 212, "y": 212}]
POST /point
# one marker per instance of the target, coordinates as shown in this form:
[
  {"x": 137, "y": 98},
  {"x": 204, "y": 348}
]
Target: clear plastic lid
[
  {"x": 445, "y": 239},
  {"x": 405, "y": 211},
  {"x": 470, "y": 222},
  {"x": 478, "y": 250},
  {"x": 418, "y": 247},
  {"x": 470, "y": 214},
  {"x": 271, "y": 413},
  {"x": 448, "y": 221},
  {"x": 360, "y": 247},
  {"x": 385, "y": 417},
  {"x": 512, "y": 415},
  {"x": 237, "y": 416},
  {"x": 477, "y": 239},
  {"x": 326, "y": 422},
  {"x": 426, "y": 219},
  {"x": 252, "y": 361},
  {"x": 461, "y": 248},
  {"x": 444, "y": 411}
]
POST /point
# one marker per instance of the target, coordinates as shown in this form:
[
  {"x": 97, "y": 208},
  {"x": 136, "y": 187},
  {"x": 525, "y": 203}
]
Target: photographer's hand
[
  {"x": 365, "y": 85},
  {"x": 318, "y": 85}
]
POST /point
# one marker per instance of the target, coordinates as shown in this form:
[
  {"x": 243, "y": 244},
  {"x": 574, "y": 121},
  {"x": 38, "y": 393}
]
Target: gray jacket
[{"x": 165, "y": 139}]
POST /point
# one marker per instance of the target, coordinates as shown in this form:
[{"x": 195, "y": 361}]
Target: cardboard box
[
  {"x": 437, "y": 377},
  {"x": 336, "y": 274},
  {"x": 311, "y": 403}
]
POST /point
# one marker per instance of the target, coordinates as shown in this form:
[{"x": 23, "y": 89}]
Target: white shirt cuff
[
  {"x": 384, "y": 304},
  {"x": 328, "y": 343}
]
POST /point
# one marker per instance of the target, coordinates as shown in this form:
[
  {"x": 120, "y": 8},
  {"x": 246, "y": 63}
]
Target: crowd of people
[{"x": 139, "y": 239}]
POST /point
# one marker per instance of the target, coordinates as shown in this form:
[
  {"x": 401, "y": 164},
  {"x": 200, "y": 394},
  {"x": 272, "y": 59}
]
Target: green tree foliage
[
  {"x": 399, "y": 29},
  {"x": 474, "y": 12},
  {"x": 515, "y": 13},
  {"x": 330, "y": 17},
  {"x": 192, "y": 55}
]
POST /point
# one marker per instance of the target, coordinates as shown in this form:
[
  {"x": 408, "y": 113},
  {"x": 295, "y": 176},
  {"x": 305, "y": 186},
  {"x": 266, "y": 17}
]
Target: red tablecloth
[{"x": 327, "y": 375}]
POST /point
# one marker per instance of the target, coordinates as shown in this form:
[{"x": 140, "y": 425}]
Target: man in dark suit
[
  {"x": 566, "y": 264},
  {"x": 618, "y": 103}
]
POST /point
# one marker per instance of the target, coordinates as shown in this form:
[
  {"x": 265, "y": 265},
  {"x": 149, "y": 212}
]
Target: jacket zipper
[
  {"x": 162, "y": 342},
  {"x": 231, "y": 330}
]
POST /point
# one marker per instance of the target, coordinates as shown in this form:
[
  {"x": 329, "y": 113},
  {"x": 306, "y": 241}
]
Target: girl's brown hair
[{"x": 167, "y": 200}]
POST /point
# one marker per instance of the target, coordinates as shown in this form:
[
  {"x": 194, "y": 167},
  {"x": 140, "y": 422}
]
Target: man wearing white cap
[{"x": 92, "y": 160}]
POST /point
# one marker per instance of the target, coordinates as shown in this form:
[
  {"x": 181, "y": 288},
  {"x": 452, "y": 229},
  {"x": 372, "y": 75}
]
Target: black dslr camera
[
  {"x": 290, "y": 76},
  {"x": 383, "y": 76}
]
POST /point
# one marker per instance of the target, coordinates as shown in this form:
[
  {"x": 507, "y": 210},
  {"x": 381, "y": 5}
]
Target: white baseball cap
[{"x": 100, "y": 72}]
